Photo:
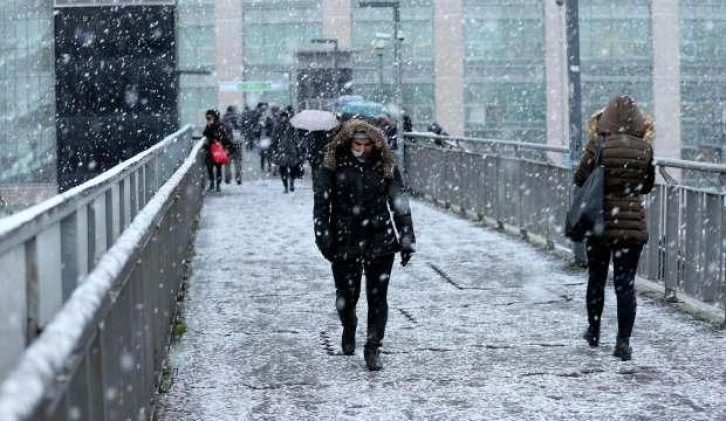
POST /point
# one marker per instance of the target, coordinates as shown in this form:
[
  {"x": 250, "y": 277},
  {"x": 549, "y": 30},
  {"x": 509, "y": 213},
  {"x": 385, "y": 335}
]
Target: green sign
[{"x": 254, "y": 86}]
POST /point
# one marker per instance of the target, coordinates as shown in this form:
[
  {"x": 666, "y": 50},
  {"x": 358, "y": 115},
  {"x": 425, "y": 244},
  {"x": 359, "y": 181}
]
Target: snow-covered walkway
[{"x": 481, "y": 326}]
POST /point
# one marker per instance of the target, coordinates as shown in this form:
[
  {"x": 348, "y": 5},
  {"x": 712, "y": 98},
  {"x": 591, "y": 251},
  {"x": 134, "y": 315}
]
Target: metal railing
[
  {"x": 111, "y": 253},
  {"x": 518, "y": 185}
]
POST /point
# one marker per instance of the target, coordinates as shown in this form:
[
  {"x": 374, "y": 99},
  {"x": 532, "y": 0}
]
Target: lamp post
[
  {"x": 395, "y": 5},
  {"x": 572, "y": 22},
  {"x": 574, "y": 97},
  {"x": 334, "y": 41}
]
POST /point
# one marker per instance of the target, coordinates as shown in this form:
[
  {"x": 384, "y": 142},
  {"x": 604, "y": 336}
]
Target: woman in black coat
[
  {"x": 286, "y": 152},
  {"x": 362, "y": 218}
]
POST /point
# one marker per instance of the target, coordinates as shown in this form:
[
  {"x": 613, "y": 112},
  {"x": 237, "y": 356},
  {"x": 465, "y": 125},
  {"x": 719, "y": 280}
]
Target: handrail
[
  {"x": 54, "y": 352},
  {"x": 17, "y": 228},
  {"x": 659, "y": 161}
]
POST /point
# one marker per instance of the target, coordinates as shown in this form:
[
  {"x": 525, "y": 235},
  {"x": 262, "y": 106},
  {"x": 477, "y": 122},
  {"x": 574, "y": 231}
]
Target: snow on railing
[
  {"x": 520, "y": 185},
  {"x": 47, "y": 250}
]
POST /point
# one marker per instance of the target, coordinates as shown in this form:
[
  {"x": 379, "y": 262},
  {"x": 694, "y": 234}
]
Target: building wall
[
  {"x": 197, "y": 55},
  {"x": 504, "y": 76},
  {"x": 27, "y": 99},
  {"x": 372, "y": 26},
  {"x": 273, "y": 30},
  {"x": 702, "y": 78},
  {"x": 449, "y": 69},
  {"x": 116, "y": 85}
]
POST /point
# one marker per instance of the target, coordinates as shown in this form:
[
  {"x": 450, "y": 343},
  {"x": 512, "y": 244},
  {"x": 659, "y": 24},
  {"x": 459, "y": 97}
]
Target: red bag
[{"x": 219, "y": 155}]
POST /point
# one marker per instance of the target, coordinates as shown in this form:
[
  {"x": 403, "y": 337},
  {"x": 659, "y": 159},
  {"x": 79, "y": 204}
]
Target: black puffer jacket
[
  {"x": 358, "y": 204},
  {"x": 216, "y": 131}
]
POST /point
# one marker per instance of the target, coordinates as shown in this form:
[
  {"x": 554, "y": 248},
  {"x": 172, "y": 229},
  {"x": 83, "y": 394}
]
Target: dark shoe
[
  {"x": 373, "y": 358},
  {"x": 623, "y": 349},
  {"x": 348, "y": 340},
  {"x": 239, "y": 181},
  {"x": 592, "y": 336},
  {"x": 218, "y": 189},
  {"x": 211, "y": 187}
]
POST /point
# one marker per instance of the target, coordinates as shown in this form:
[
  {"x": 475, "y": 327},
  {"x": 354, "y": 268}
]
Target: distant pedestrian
[
  {"x": 388, "y": 127},
  {"x": 359, "y": 208},
  {"x": 407, "y": 123},
  {"x": 232, "y": 121},
  {"x": 285, "y": 151},
  {"x": 436, "y": 129},
  {"x": 626, "y": 133},
  {"x": 215, "y": 131},
  {"x": 314, "y": 144}
]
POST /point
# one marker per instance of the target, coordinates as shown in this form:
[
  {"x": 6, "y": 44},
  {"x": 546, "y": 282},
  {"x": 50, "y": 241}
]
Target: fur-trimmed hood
[
  {"x": 622, "y": 115},
  {"x": 339, "y": 147}
]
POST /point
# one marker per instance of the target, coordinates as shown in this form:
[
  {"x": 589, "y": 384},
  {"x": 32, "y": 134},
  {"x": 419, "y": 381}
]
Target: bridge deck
[{"x": 481, "y": 326}]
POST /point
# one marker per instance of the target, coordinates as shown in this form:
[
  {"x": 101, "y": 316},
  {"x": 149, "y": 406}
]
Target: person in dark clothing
[
  {"x": 359, "y": 208},
  {"x": 388, "y": 127},
  {"x": 249, "y": 120},
  {"x": 315, "y": 143},
  {"x": 232, "y": 121},
  {"x": 286, "y": 152},
  {"x": 436, "y": 129},
  {"x": 407, "y": 123},
  {"x": 215, "y": 131},
  {"x": 627, "y": 155}
]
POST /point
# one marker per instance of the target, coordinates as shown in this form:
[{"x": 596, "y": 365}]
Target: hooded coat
[
  {"x": 627, "y": 156},
  {"x": 285, "y": 150},
  {"x": 360, "y": 205}
]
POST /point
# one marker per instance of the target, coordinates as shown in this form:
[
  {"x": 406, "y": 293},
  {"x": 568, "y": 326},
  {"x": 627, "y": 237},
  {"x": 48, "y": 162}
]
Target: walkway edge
[{"x": 701, "y": 311}]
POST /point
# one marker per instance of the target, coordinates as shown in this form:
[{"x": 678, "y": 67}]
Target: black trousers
[
  {"x": 212, "y": 176},
  {"x": 625, "y": 264},
  {"x": 288, "y": 173},
  {"x": 347, "y": 275}
]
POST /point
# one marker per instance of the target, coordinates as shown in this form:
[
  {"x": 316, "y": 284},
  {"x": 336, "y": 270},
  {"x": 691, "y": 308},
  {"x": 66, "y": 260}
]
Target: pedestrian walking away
[
  {"x": 286, "y": 152},
  {"x": 627, "y": 156},
  {"x": 361, "y": 220},
  {"x": 232, "y": 121},
  {"x": 215, "y": 131}
]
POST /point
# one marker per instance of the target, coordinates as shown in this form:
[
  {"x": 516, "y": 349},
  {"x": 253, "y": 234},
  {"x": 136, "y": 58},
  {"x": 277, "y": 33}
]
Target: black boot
[
  {"x": 211, "y": 186},
  {"x": 623, "y": 349},
  {"x": 592, "y": 335},
  {"x": 372, "y": 356},
  {"x": 348, "y": 340}
]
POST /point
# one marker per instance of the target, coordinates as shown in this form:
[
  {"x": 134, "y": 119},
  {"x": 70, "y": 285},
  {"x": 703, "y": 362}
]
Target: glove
[{"x": 405, "y": 257}]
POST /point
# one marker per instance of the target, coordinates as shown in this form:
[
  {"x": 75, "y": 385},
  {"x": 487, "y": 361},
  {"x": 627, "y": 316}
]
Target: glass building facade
[
  {"x": 273, "y": 31},
  {"x": 373, "y": 70},
  {"x": 27, "y": 100},
  {"x": 196, "y": 55},
  {"x": 615, "y": 52},
  {"x": 504, "y": 69},
  {"x": 703, "y": 79}
]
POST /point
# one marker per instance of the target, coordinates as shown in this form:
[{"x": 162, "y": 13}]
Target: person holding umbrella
[
  {"x": 317, "y": 126},
  {"x": 361, "y": 219}
]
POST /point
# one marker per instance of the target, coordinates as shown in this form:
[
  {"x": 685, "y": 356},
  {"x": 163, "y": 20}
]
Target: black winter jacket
[
  {"x": 216, "y": 131},
  {"x": 356, "y": 209}
]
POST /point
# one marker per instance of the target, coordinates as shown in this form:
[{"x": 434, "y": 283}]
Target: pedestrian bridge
[{"x": 484, "y": 324}]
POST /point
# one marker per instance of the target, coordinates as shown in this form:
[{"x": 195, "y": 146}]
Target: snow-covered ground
[{"x": 481, "y": 326}]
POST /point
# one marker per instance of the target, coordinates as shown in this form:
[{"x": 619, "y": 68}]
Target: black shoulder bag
[{"x": 585, "y": 216}]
